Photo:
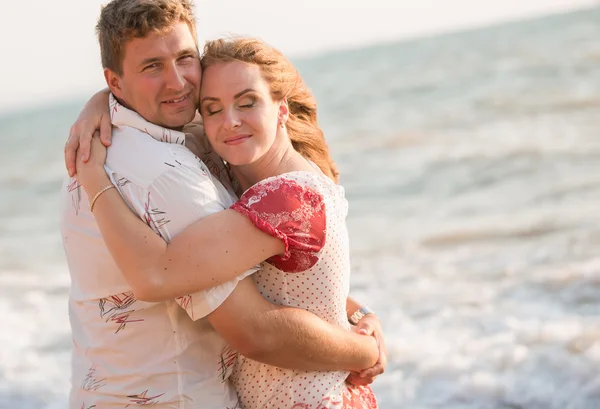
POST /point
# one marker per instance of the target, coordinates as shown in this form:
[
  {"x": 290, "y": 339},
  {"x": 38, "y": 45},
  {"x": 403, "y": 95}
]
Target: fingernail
[{"x": 363, "y": 331}]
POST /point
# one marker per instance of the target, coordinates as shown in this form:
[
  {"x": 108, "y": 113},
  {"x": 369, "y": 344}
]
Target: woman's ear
[{"x": 284, "y": 112}]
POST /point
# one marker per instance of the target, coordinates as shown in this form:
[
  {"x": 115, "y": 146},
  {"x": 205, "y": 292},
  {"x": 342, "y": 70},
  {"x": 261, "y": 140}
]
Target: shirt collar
[{"x": 121, "y": 116}]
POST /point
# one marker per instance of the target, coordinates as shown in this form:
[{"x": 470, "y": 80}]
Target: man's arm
[
  {"x": 276, "y": 335},
  {"x": 288, "y": 337},
  {"x": 368, "y": 324},
  {"x": 351, "y": 307},
  {"x": 201, "y": 235}
]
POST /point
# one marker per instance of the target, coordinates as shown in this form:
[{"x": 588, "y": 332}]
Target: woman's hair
[{"x": 284, "y": 82}]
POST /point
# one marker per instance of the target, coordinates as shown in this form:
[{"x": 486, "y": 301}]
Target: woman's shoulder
[
  {"x": 285, "y": 192},
  {"x": 297, "y": 181}
]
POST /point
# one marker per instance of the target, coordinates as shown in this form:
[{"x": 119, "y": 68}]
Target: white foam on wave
[
  {"x": 35, "y": 340},
  {"x": 486, "y": 350}
]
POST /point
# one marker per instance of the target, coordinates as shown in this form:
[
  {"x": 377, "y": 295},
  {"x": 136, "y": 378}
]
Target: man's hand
[{"x": 370, "y": 325}]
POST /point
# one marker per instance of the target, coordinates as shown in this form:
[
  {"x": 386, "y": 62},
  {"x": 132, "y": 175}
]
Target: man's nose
[{"x": 174, "y": 78}]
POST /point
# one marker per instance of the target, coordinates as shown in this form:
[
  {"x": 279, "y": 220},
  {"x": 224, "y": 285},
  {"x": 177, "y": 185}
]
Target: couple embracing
[{"x": 208, "y": 253}]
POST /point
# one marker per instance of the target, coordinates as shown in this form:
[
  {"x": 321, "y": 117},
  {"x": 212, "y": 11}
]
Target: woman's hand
[
  {"x": 370, "y": 325},
  {"x": 91, "y": 174},
  {"x": 94, "y": 116}
]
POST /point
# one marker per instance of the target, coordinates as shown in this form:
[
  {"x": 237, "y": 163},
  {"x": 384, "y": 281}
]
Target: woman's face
[{"x": 240, "y": 117}]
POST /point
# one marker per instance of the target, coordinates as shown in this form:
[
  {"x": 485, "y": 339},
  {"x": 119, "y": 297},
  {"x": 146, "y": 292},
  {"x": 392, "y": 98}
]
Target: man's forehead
[{"x": 160, "y": 43}]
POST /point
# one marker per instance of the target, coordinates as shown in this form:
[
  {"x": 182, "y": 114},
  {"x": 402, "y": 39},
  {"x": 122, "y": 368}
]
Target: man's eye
[{"x": 150, "y": 67}]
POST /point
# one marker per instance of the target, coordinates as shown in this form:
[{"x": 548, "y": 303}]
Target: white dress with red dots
[{"x": 307, "y": 211}]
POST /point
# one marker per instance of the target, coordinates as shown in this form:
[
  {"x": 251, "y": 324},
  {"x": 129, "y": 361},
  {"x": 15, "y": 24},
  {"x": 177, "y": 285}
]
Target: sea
[{"x": 471, "y": 162}]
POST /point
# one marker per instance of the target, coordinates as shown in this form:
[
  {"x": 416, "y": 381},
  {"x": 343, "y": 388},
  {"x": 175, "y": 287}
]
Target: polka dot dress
[{"x": 307, "y": 211}]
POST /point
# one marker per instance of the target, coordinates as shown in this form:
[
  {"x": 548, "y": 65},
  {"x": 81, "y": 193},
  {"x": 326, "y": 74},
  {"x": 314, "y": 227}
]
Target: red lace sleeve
[{"x": 291, "y": 212}]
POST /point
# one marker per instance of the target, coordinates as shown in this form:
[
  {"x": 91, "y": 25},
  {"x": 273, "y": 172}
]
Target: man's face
[{"x": 161, "y": 77}]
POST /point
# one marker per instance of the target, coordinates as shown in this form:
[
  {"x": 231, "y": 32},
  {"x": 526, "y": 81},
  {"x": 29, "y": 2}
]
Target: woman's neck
[{"x": 282, "y": 160}]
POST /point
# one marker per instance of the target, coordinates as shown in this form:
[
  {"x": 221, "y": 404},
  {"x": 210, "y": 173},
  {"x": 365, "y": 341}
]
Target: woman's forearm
[
  {"x": 95, "y": 116},
  {"x": 97, "y": 101}
]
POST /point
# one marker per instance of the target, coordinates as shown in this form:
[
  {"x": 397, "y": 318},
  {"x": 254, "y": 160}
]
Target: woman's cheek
[{"x": 210, "y": 129}]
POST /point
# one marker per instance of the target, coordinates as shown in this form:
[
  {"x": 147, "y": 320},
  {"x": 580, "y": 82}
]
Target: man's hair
[{"x": 124, "y": 20}]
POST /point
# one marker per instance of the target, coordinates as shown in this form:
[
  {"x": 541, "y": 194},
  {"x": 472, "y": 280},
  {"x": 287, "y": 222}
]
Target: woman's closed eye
[
  {"x": 210, "y": 112},
  {"x": 247, "y": 103},
  {"x": 212, "y": 108}
]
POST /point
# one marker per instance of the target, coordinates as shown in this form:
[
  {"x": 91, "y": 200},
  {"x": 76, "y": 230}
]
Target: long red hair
[{"x": 284, "y": 82}]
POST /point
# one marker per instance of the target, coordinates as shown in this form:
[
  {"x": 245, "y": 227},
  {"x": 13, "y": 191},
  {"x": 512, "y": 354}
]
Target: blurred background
[{"x": 468, "y": 137}]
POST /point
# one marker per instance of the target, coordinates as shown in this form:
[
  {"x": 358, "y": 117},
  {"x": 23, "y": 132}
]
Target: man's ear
[{"x": 114, "y": 82}]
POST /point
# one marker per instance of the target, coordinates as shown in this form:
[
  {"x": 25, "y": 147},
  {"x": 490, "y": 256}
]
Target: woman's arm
[
  {"x": 95, "y": 116},
  {"x": 209, "y": 252}
]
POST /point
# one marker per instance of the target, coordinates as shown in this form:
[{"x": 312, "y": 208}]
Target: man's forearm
[
  {"x": 351, "y": 306},
  {"x": 289, "y": 337},
  {"x": 300, "y": 340}
]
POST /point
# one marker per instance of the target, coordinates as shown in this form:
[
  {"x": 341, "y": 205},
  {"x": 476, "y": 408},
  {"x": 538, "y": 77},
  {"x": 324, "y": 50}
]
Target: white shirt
[{"x": 128, "y": 352}]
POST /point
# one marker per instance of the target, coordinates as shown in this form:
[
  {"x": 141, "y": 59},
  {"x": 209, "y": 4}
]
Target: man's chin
[{"x": 178, "y": 121}]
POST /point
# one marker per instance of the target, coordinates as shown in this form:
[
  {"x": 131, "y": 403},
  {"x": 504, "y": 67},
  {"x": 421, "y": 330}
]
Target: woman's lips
[{"x": 236, "y": 140}]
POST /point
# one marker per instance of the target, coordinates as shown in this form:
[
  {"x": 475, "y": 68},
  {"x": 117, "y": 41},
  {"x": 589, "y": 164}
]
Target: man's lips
[
  {"x": 234, "y": 140},
  {"x": 177, "y": 100}
]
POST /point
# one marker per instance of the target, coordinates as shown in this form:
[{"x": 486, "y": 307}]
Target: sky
[{"x": 50, "y": 51}]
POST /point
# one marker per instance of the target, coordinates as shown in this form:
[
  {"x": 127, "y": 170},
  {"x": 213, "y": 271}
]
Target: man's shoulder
[{"x": 139, "y": 157}]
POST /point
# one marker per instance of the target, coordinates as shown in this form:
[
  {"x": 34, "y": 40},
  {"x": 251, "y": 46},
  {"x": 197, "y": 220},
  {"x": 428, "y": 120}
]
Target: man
[{"x": 128, "y": 352}]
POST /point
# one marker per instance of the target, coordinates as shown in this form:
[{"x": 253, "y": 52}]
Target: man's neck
[{"x": 121, "y": 102}]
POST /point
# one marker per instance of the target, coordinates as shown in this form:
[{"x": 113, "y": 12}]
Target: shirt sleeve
[
  {"x": 174, "y": 200},
  {"x": 291, "y": 212}
]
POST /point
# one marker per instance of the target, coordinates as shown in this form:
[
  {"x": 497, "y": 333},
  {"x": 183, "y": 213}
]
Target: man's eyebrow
[
  {"x": 150, "y": 60},
  {"x": 190, "y": 50},
  {"x": 181, "y": 53},
  {"x": 236, "y": 96}
]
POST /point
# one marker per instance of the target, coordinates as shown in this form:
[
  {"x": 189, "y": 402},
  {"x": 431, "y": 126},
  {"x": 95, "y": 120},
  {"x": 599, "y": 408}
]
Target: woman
[{"x": 261, "y": 119}]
